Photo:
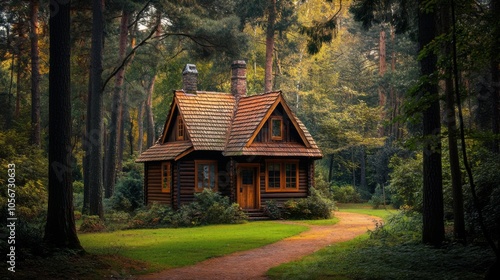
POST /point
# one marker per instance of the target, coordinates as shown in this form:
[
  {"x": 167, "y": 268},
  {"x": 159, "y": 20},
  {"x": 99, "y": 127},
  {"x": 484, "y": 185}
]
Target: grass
[
  {"x": 174, "y": 247},
  {"x": 361, "y": 259},
  {"x": 366, "y": 258},
  {"x": 367, "y": 209}
]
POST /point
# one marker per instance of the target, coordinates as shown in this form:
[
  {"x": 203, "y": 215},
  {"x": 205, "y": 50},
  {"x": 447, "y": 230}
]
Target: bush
[
  {"x": 273, "y": 210},
  {"x": 128, "y": 194},
  {"x": 404, "y": 226},
  {"x": 406, "y": 182},
  {"x": 378, "y": 198},
  {"x": 92, "y": 224},
  {"x": 315, "y": 206},
  {"x": 345, "y": 194},
  {"x": 209, "y": 208},
  {"x": 154, "y": 215}
]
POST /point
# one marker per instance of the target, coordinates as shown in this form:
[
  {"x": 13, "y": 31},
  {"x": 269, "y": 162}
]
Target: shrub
[
  {"x": 92, "y": 224},
  {"x": 77, "y": 214},
  {"x": 209, "y": 208},
  {"x": 128, "y": 194},
  {"x": 273, "y": 210},
  {"x": 378, "y": 198},
  {"x": 406, "y": 182},
  {"x": 404, "y": 226},
  {"x": 345, "y": 194},
  {"x": 315, "y": 206},
  {"x": 154, "y": 215}
]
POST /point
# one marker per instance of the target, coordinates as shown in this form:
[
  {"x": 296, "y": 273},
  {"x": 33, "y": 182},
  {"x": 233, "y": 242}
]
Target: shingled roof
[{"x": 227, "y": 122}]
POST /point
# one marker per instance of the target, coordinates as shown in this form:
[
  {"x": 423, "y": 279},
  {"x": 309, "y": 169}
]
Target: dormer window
[
  {"x": 276, "y": 128},
  {"x": 181, "y": 131}
]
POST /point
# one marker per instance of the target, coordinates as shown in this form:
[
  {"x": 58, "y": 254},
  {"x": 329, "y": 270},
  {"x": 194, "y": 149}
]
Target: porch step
[{"x": 255, "y": 214}]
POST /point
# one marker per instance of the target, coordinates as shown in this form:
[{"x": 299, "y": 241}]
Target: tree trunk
[
  {"x": 60, "y": 230},
  {"x": 382, "y": 99},
  {"x": 116, "y": 122},
  {"x": 149, "y": 114},
  {"x": 433, "y": 212},
  {"x": 271, "y": 19},
  {"x": 140, "y": 126},
  {"x": 35, "y": 75},
  {"x": 95, "y": 132},
  {"x": 495, "y": 78},
  {"x": 456, "y": 174},
  {"x": 362, "y": 182}
]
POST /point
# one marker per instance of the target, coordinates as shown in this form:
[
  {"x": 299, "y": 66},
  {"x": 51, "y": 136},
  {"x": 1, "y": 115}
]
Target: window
[
  {"x": 180, "y": 128},
  {"x": 166, "y": 177},
  {"x": 205, "y": 175},
  {"x": 282, "y": 176},
  {"x": 274, "y": 176},
  {"x": 276, "y": 128}
]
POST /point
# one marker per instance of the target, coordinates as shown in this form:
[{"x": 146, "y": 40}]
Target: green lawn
[
  {"x": 367, "y": 209},
  {"x": 365, "y": 258},
  {"x": 174, "y": 247}
]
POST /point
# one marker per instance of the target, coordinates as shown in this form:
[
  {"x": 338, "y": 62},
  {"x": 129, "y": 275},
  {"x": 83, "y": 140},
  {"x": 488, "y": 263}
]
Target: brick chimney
[
  {"x": 190, "y": 78},
  {"x": 239, "y": 79}
]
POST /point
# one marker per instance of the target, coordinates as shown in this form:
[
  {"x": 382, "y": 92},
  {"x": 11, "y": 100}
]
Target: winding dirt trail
[{"x": 253, "y": 264}]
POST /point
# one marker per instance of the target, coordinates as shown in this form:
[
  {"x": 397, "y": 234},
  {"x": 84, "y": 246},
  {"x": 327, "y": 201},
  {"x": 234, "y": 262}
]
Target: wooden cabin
[{"x": 250, "y": 148}]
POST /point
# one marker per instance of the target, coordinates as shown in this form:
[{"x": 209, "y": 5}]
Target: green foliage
[
  {"x": 128, "y": 194},
  {"x": 92, "y": 224},
  {"x": 273, "y": 210},
  {"x": 378, "y": 198},
  {"x": 404, "y": 226},
  {"x": 406, "y": 181},
  {"x": 78, "y": 187},
  {"x": 151, "y": 216},
  {"x": 345, "y": 194},
  {"x": 209, "y": 208},
  {"x": 315, "y": 206}
]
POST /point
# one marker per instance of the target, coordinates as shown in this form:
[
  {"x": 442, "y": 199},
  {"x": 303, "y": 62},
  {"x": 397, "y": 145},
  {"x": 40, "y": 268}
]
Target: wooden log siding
[
  {"x": 186, "y": 182},
  {"x": 281, "y": 197},
  {"x": 153, "y": 192}
]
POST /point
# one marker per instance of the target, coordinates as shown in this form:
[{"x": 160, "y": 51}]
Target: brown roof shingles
[
  {"x": 214, "y": 124},
  {"x": 167, "y": 151},
  {"x": 207, "y": 116}
]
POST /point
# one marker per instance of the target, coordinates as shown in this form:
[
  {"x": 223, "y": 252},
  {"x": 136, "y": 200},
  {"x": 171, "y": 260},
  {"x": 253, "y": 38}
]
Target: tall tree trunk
[
  {"x": 151, "y": 137},
  {"x": 495, "y": 77},
  {"x": 382, "y": 99},
  {"x": 451, "y": 123},
  {"x": 17, "y": 111},
  {"x": 35, "y": 75},
  {"x": 140, "y": 126},
  {"x": 116, "y": 122},
  {"x": 60, "y": 230},
  {"x": 433, "y": 212},
  {"x": 271, "y": 19},
  {"x": 95, "y": 131},
  {"x": 330, "y": 169},
  {"x": 362, "y": 182}
]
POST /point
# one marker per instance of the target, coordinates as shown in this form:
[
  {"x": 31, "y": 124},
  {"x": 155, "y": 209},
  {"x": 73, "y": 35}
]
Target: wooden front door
[{"x": 248, "y": 187}]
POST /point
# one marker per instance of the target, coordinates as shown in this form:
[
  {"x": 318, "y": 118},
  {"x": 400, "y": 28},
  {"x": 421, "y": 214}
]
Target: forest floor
[{"x": 253, "y": 264}]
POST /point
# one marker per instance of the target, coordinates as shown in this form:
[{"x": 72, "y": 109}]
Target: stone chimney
[
  {"x": 239, "y": 79},
  {"x": 190, "y": 78}
]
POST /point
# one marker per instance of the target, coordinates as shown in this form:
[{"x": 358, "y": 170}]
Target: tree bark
[
  {"x": 95, "y": 131},
  {"x": 140, "y": 126},
  {"x": 382, "y": 99},
  {"x": 451, "y": 123},
  {"x": 151, "y": 137},
  {"x": 271, "y": 19},
  {"x": 433, "y": 212},
  {"x": 495, "y": 78},
  {"x": 60, "y": 230},
  {"x": 35, "y": 75},
  {"x": 116, "y": 122}
]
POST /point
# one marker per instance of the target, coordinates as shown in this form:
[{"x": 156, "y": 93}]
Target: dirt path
[{"x": 253, "y": 264}]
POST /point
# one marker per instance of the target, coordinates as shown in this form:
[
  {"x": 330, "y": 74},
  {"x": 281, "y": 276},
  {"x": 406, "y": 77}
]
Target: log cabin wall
[
  {"x": 153, "y": 191},
  {"x": 281, "y": 197}
]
